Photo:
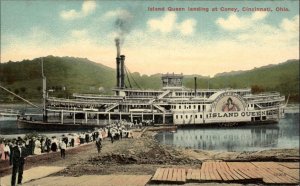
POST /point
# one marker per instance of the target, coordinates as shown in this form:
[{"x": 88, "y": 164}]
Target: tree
[
  {"x": 39, "y": 88},
  {"x": 16, "y": 91},
  {"x": 23, "y": 89},
  {"x": 256, "y": 89}
]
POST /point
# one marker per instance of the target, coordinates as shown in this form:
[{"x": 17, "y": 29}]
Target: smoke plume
[
  {"x": 117, "y": 41},
  {"x": 124, "y": 23},
  {"x": 123, "y": 26}
]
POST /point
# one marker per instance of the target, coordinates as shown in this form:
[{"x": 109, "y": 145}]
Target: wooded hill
[{"x": 68, "y": 75}]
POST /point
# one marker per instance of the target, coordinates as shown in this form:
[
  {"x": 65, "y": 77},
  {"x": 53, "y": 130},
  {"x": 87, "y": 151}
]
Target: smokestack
[
  {"x": 118, "y": 60},
  {"x": 122, "y": 71},
  {"x": 195, "y": 79}
]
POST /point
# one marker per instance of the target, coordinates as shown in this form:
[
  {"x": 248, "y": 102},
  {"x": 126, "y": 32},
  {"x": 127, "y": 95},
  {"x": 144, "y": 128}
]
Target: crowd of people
[
  {"x": 17, "y": 149},
  {"x": 38, "y": 144},
  {"x": 41, "y": 144}
]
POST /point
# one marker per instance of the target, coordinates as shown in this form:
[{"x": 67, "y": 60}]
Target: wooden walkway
[
  {"x": 103, "y": 180},
  {"x": 232, "y": 172}
]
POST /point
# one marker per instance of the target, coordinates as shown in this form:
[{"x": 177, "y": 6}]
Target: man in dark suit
[{"x": 18, "y": 159}]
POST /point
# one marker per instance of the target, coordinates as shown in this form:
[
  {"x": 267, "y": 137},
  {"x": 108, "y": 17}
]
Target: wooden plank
[
  {"x": 165, "y": 174},
  {"x": 203, "y": 165},
  {"x": 178, "y": 178},
  {"x": 275, "y": 165},
  {"x": 291, "y": 165},
  {"x": 238, "y": 176},
  {"x": 174, "y": 175},
  {"x": 243, "y": 173},
  {"x": 189, "y": 174},
  {"x": 248, "y": 165},
  {"x": 158, "y": 174},
  {"x": 268, "y": 165},
  {"x": 155, "y": 174},
  {"x": 229, "y": 175},
  {"x": 161, "y": 174},
  {"x": 235, "y": 166},
  {"x": 294, "y": 173},
  {"x": 254, "y": 170},
  {"x": 272, "y": 173},
  {"x": 198, "y": 174},
  {"x": 202, "y": 174},
  {"x": 207, "y": 175},
  {"x": 245, "y": 169},
  {"x": 218, "y": 168},
  {"x": 267, "y": 177},
  {"x": 278, "y": 177},
  {"x": 183, "y": 175},
  {"x": 215, "y": 172},
  {"x": 228, "y": 171},
  {"x": 222, "y": 173},
  {"x": 282, "y": 176},
  {"x": 253, "y": 173},
  {"x": 194, "y": 174},
  {"x": 210, "y": 171},
  {"x": 170, "y": 174}
]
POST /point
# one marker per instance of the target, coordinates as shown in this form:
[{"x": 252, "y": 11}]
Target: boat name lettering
[{"x": 239, "y": 114}]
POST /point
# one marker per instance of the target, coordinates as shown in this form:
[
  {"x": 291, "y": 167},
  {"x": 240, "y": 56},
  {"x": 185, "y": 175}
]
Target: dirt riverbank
[{"x": 143, "y": 155}]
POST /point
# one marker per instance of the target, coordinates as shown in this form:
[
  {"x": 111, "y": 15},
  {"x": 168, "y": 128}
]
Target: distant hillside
[
  {"x": 229, "y": 73},
  {"x": 283, "y": 77},
  {"x": 67, "y": 75},
  {"x": 71, "y": 74}
]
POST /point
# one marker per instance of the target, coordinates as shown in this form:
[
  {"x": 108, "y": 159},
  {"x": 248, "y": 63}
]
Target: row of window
[
  {"x": 187, "y": 116},
  {"x": 207, "y": 94},
  {"x": 142, "y": 94},
  {"x": 189, "y": 107}
]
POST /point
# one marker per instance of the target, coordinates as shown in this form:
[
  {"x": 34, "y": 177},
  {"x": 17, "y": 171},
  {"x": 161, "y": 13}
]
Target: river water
[{"x": 284, "y": 134}]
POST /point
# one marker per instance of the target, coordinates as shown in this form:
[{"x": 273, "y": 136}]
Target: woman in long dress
[
  {"x": 37, "y": 149},
  {"x": 2, "y": 150}
]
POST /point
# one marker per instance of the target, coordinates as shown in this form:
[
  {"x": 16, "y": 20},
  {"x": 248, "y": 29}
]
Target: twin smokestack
[{"x": 120, "y": 66}]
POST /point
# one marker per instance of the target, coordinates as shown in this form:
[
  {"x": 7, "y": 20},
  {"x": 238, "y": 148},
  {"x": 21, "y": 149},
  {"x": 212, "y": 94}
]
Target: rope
[
  {"x": 127, "y": 75},
  {"x": 19, "y": 97},
  {"x": 133, "y": 79}
]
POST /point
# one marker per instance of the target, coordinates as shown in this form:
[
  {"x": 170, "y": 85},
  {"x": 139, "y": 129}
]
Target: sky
[{"x": 203, "y": 42}]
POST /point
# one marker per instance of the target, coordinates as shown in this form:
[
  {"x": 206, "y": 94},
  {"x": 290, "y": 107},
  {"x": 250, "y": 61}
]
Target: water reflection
[{"x": 285, "y": 134}]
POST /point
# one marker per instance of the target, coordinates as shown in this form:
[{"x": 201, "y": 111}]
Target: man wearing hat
[{"x": 18, "y": 159}]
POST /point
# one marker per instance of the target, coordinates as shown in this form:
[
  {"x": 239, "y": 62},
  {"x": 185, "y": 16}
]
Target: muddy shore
[{"x": 141, "y": 155}]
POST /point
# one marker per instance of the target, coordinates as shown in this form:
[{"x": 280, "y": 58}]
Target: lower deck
[{"x": 175, "y": 118}]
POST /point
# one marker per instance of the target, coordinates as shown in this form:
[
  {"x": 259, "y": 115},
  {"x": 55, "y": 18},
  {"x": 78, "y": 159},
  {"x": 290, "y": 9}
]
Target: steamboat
[{"x": 172, "y": 105}]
